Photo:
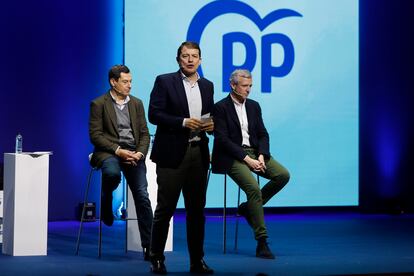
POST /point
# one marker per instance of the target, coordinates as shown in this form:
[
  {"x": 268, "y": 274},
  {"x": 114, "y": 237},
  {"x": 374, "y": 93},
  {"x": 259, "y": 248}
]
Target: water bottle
[{"x": 19, "y": 143}]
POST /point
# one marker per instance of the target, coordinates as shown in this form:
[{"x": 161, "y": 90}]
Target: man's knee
[
  {"x": 285, "y": 177},
  {"x": 281, "y": 177},
  {"x": 111, "y": 177}
]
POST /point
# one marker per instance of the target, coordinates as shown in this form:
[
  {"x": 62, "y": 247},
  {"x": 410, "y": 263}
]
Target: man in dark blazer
[
  {"x": 241, "y": 146},
  {"x": 119, "y": 132},
  {"x": 180, "y": 106}
]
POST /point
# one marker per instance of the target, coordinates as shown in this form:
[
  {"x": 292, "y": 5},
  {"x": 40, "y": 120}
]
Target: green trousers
[{"x": 242, "y": 175}]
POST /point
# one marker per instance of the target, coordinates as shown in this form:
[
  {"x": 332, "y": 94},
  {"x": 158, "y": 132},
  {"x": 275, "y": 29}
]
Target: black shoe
[
  {"x": 200, "y": 267},
  {"x": 158, "y": 267},
  {"x": 263, "y": 250},
  {"x": 244, "y": 212},
  {"x": 146, "y": 253},
  {"x": 108, "y": 220}
]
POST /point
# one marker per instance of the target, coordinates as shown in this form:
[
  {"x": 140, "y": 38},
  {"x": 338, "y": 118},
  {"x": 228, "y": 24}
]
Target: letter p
[{"x": 228, "y": 67}]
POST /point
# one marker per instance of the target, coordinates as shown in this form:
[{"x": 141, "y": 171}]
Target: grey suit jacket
[{"x": 103, "y": 129}]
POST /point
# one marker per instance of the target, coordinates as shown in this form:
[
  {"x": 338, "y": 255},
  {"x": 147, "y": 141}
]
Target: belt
[
  {"x": 194, "y": 144},
  {"x": 246, "y": 147}
]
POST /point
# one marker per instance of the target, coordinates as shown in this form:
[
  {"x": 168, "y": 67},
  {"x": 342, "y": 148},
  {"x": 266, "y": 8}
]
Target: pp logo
[{"x": 214, "y": 9}]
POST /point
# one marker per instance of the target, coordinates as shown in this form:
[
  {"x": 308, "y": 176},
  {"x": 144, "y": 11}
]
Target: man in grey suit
[
  {"x": 119, "y": 132},
  {"x": 178, "y": 102}
]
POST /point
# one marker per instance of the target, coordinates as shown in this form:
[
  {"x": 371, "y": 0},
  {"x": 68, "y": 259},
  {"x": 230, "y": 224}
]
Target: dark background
[{"x": 54, "y": 60}]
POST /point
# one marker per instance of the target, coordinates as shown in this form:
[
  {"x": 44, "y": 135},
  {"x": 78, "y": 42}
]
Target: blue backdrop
[{"x": 304, "y": 61}]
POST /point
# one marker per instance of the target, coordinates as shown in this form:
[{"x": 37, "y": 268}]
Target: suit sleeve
[
  {"x": 144, "y": 138},
  {"x": 262, "y": 135},
  {"x": 222, "y": 136},
  {"x": 96, "y": 132},
  {"x": 210, "y": 102},
  {"x": 158, "y": 107}
]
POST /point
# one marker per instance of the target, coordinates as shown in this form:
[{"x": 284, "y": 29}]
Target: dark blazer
[
  {"x": 167, "y": 109},
  {"x": 227, "y": 134},
  {"x": 103, "y": 127}
]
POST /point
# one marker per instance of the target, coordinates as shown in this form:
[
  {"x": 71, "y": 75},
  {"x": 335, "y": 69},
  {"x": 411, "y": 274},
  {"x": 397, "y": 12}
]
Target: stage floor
[{"x": 305, "y": 243}]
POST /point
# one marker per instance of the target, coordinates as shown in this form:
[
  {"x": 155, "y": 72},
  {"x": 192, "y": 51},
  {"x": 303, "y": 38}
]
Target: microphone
[
  {"x": 116, "y": 90},
  {"x": 237, "y": 93}
]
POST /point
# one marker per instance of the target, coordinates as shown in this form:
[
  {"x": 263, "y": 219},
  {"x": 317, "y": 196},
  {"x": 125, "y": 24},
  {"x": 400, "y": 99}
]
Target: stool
[
  {"x": 225, "y": 211},
  {"x": 99, "y": 206}
]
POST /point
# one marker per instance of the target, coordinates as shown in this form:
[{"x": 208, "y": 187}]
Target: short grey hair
[{"x": 244, "y": 73}]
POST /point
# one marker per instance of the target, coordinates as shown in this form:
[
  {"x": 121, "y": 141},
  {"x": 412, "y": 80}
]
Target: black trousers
[{"x": 190, "y": 178}]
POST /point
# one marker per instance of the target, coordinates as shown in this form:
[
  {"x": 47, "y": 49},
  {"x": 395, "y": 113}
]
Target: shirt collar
[
  {"x": 114, "y": 99},
  {"x": 184, "y": 77}
]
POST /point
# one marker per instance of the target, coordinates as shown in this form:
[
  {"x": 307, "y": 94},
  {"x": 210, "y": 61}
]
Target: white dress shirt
[{"x": 244, "y": 124}]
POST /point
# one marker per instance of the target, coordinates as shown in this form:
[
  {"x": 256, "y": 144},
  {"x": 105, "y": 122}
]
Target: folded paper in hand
[{"x": 206, "y": 118}]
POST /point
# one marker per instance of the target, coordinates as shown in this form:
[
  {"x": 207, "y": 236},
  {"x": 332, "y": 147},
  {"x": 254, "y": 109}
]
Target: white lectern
[
  {"x": 26, "y": 177},
  {"x": 134, "y": 240}
]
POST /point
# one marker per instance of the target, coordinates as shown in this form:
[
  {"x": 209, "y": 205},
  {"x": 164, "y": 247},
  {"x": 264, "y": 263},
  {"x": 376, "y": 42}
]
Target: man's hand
[
  {"x": 254, "y": 164},
  {"x": 209, "y": 126},
  {"x": 262, "y": 161},
  {"x": 130, "y": 157},
  {"x": 193, "y": 123},
  {"x": 138, "y": 155}
]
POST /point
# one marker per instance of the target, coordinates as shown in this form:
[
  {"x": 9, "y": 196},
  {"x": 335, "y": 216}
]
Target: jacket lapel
[
  {"x": 250, "y": 113},
  {"x": 180, "y": 92},
  {"x": 204, "y": 96},
  {"x": 232, "y": 113},
  {"x": 132, "y": 117},
  {"x": 109, "y": 107}
]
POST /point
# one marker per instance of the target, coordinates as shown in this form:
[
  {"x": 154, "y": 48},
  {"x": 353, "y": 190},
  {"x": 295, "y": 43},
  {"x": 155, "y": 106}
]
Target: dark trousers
[
  {"x": 190, "y": 178},
  {"x": 137, "y": 182}
]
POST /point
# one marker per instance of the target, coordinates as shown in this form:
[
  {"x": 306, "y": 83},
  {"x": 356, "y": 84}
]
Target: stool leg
[
  {"x": 126, "y": 211},
  {"x": 100, "y": 222},
  {"x": 236, "y": 234},
  {"x": 225, "y": 215},
  {"x": 83, "y": 210}
]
